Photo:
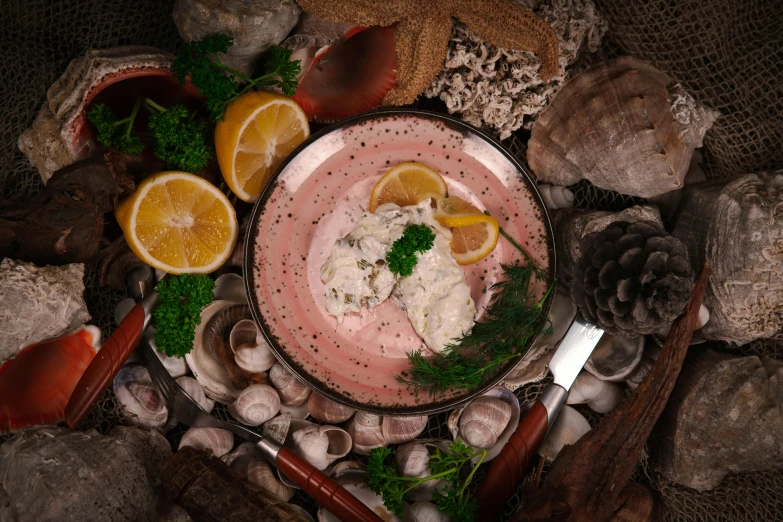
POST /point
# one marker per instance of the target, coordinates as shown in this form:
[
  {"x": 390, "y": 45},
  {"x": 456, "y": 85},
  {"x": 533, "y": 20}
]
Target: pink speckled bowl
[{"x": 314, "y": 199}]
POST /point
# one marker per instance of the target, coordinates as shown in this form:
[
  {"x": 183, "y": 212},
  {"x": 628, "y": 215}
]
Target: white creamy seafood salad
[{"x": 403, "y": 253}]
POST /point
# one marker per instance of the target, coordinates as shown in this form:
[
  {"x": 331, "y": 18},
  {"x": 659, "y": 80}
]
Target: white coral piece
[
  {"x": 500, "y": 89},
  {"x": 38, "y": 303}
]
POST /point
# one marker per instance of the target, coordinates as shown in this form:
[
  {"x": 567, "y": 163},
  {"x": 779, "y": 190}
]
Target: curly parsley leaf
[
  {"x": 402, "y": 255},
  {"x": 180, "y": 301},
  {"x": 115, "y": 133},
  {"x": 178, "y": 138}
]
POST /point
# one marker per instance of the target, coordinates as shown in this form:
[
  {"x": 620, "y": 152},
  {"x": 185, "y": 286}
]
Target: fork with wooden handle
[{"x": 323, "y": 489}]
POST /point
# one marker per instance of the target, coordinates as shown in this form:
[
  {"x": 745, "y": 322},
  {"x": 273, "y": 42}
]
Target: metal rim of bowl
[{"x": 249, "y": 249}]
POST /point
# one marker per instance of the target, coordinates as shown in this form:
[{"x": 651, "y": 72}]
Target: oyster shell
[
  {"x": 38, "y": 303},
  {"x": 620, "y": 127},
  {"x": 140, "y": 399},
  {"x": 615, "y": 357},
  {"x": 737, "y": 226},
  {"x": 57, "y": 137},
  {"x": 255, "y": 25}
]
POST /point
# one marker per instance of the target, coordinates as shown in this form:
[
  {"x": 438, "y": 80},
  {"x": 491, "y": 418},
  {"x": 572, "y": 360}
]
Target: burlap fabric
[{"x": 727, "y": 53}]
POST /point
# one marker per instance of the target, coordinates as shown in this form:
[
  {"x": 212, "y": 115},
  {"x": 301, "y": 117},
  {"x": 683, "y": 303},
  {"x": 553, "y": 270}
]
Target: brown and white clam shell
[
  {"x": 619, "y": 126},
  {"x": 58, "y": 136}
]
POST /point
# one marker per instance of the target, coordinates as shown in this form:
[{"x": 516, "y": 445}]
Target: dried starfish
[{"x": 424, "y": 28}]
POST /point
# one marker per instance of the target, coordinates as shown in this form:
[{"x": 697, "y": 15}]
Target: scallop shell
[
  {"x": 737, "y": 227},
  {"x": 293, "y": 392},
  {"x": 139, "y": 398},
  {"x": 196, "y": 392},
  {"x": 487, "y": 420},
  {"x": 615, "y": 357},
  {"x": 255, "y": 405},
  {"x": 251, "y": 352},
  {"x": 58, "y": 136},
  {"x": 326, "y": 410},
  {"x": 216, "y": 440},
  {"x": 618, "y": 126}
]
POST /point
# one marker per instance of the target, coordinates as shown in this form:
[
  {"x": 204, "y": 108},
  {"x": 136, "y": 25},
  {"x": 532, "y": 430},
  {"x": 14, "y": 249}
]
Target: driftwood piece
[
  {"x": 210, "y": 492},
  {"x": 64, "y": 223},
  {"x": 587, "y": 479}
]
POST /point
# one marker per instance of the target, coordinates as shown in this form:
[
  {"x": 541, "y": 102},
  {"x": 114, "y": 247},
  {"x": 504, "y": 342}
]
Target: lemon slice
[
  {"x": 179, "y": 223},
  {"x": 473, "y": 233},
  {"x": 407, "y": 184},
  {"x": 259, "y": 129}
]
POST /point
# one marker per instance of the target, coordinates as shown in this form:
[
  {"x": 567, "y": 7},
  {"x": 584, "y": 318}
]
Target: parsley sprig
[
  {"x": 402, "y": 255},
  {"x": 113, "y": 132},
  {"x": 199, "y": 60},
  {"x": 453, "y": 500},
  {"x": 511, "y": 321},
  {"x": 180, "y": 301}
]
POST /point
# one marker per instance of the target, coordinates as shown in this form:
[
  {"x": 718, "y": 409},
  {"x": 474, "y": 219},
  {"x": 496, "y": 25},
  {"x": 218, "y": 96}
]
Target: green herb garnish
[
  {"x": 384, "y": 479},
  {"x": 509, "y": 325},
  {"x": 114, "y": 132},
  {"x": 177, "y": 137},
  {"x": 178, "y": 312},
  {"x": 199, "y": 60},
  {"x": 402, "y": 255}
]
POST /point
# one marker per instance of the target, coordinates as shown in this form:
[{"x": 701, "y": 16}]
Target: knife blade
[{"x": 514, "y": 460}]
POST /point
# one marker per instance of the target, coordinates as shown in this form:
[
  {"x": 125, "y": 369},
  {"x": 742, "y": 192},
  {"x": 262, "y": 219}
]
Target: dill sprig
[
  {"x": 511, "y": 321},
  {"x": 453, "y": 500}
]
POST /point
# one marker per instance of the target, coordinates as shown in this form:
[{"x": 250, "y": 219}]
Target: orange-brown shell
[{"x": 613, "y": 125}]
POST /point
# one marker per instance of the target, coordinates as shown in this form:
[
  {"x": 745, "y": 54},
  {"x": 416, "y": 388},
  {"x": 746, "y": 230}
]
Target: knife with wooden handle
[
  {"x": 108, "y": 361},
  {"x": 515, "y": 459}
]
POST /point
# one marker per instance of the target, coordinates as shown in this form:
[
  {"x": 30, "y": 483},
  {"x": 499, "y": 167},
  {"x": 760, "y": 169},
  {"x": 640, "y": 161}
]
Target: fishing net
[{"x": 728, "y": 54}]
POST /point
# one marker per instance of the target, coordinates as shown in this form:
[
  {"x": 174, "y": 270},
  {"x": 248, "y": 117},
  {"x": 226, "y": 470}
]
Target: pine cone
[{"x": 632, "y": 279}]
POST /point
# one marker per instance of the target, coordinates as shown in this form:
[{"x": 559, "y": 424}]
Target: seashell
[
  {"x": 196, "y": 392},
  {"x": 26, "y": 293},
  {"x": 176, "y": 366},
  {"x": 533, "y": 366},
  {"x": 278, "y": 428},
  {"x": 569, "y": 427},
  {"x": 351, "y": 475},
  {"x": 620, "y": 127},
  {"x": 651, "y": 352},
  {"x": 293, "y": 392},
  {"x": 230, "y": 287},
  {"x": 260, "y": 474},
  {"x": 483, "y": 421},
  {"x": 239, "y": 460},
  {"x": 732, "y": 406},
  {"x": 297, "y": 412},
  {"x": 139, "y": 398},
  {"x": 401, "y": 429},
  {"x": 216, "y": 440},
  {"x": 487, "y": 421},
  {"x": 255, "y": 25},
  {"x": 413, "y": 460},
  {"x": 615, "y": 357},
  {"x": 736, "y": 226},
  {"x": 36, "y": 384},
  {"x": 321, "y": 445},
  {"x": 313, "y": 33},
  {"x": 328, "y": 92},
  {"x": 207, "y": 370},
  {"x": 255, "y": 405},
  {"x": 219, "y": 334},
  {"x": 637, "y": 503},
  {"x": 366, "y": 432},
  {"x": 251, "y": 352},
  {"x": 59, "y": 136},
  {"x": 304, "y": 514},
  {"x": 600, "y": 396},
  {"x": 326, "y": 410},
  {"x": 555, "y": 196},
  {"x": 423, "y": 511}
]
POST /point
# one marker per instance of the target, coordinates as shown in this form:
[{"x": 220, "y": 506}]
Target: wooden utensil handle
[
  {"x": 104, "y": 366},
  {"x": 509, "y": 468},
  {"x": 324, "y": 490}
]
